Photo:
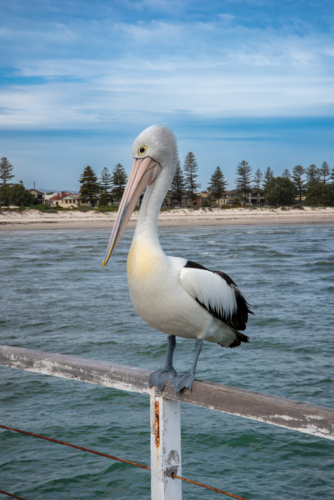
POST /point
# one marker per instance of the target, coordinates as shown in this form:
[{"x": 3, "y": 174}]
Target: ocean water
[{"x": 56, "y": 297}]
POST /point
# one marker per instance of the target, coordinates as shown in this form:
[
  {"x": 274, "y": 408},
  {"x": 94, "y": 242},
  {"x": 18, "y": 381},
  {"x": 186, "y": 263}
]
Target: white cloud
[
  {"x": 157, "y": 68},
  {"x": 226, "y": 17}
]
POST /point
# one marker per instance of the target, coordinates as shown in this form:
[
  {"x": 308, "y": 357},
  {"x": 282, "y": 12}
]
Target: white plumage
[
  {"x": 173, "y": 295},
  {"x": 210, "y": 289}
]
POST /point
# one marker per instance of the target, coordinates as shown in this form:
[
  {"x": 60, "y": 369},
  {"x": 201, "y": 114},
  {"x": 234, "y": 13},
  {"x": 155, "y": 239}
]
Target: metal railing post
[{"x": 165, "y": 448}]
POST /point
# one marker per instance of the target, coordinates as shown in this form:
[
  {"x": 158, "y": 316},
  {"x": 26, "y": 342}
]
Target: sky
[{"x": 235, "y": 80}]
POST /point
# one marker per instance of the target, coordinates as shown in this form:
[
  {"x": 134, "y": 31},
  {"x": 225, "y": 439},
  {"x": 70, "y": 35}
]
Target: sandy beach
[{"x": 35, "y": 220}]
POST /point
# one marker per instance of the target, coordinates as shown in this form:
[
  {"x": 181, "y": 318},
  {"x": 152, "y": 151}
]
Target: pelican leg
[
  {"x": 180, "y": 382},
  {"x": 159, "y": 378}
]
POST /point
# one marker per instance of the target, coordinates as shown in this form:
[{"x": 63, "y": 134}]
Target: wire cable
[
  {"x": 11, "y": 495},
  {"x": 77, "y": 447},
  {"x": 174, "y": 476},
  {"x": 112, "y": 457}
]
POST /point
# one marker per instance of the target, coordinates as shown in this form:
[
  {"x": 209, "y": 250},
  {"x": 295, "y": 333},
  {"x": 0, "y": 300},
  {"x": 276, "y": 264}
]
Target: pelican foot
[
  {"x": 183, "y": 382},
  {"x": 160, "y": 378}
]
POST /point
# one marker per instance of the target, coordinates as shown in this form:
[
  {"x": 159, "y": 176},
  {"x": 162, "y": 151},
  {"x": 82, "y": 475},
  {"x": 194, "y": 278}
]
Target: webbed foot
[
  {"x": 160, "y": 378},
  {"x": 180, "y": 382}
]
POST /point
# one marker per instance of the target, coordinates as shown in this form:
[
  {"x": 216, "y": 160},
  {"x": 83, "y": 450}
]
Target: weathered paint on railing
[{"x": 294, "y": 415}]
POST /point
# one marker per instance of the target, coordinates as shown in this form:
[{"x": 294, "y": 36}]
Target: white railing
[{"x": 165, "y": 406}]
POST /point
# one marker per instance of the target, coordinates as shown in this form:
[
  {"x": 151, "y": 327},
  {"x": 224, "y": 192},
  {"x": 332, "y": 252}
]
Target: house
[
  {"x": 255, "y": 198},
  {"x": 47, "y": 197},
  {"x": 231, "y": 197},
  {"x": 235, "y": 196},
  {"x": 187, "y": 202},
  {"x": 203, "y": 197},
  {"x": 65, "y": 200},
  {"x": 38, "y": 195}
]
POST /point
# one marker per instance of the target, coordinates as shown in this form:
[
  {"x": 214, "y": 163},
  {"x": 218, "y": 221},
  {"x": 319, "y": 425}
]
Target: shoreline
[{"x": 32, "y": 220}]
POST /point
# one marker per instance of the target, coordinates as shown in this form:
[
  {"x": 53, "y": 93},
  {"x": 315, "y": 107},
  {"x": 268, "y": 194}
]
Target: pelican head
[{"x": 154, "y": 155}]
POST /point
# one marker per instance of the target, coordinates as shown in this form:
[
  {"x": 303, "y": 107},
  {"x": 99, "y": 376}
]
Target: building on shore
[
  {"x": 65, "y": 200},
  {"x": 38, "y": 195},
  {"x": 253, "y": 198},
  {"x": 186, "y": 201}
]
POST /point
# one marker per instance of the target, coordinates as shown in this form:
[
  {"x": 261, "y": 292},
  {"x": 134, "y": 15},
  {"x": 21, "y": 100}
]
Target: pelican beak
[{"x": 143, "y": 173}]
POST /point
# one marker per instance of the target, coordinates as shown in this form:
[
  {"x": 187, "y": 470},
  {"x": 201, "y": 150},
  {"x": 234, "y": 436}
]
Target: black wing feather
[{"x": 240, "y": 317}]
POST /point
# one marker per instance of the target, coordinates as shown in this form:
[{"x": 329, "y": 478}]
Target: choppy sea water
[{"x": 56, "y": 297}]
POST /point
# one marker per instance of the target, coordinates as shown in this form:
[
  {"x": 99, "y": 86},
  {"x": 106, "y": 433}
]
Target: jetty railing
[{"x": 165, "y": 406}]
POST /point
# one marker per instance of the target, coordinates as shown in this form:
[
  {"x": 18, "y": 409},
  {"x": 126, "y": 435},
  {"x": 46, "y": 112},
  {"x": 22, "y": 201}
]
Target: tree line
[
  {"x": 12, "y": 193},
  {"x": 317, "y": 184},
  {"x": 108, "y": 188},
  {"x": 185, "y": 182},
  {"x": 112, "y": 185}
]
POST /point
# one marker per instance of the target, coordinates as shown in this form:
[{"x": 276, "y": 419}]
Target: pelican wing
[{"x": 217, "y": 293}]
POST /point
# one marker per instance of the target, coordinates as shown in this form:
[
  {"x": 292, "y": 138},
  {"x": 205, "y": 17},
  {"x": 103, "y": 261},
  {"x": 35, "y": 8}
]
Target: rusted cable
[
  {"x": 11, "y": 495},
  {"x": 114, "y": 458},
  {"x": 174, "y": 476},
  {"x": 78, "y": 447}
]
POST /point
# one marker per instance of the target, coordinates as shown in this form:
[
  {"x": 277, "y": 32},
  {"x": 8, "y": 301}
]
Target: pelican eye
[{"x": 142, "y": 150}]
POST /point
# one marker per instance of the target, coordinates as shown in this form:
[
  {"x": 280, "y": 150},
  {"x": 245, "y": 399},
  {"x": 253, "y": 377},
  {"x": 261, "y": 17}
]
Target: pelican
[{"x": 174, "y": 295}]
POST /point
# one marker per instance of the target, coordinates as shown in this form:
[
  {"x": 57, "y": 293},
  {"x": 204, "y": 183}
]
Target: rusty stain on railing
[{"x": 157, "y": 425}]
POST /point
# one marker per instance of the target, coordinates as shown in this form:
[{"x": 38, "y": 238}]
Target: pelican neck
[{"x": 147, "y": 222}]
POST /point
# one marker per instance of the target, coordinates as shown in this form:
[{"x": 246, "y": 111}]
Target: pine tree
[
  {"x": 103, "y": 200},
  {"x": 217, "y": 185},
  {"x": 244, "y": 172},
  {"x": 324, "y": 171},
  {"x": 5, "y": 171},
  {"x": 105, "y": 179},
  {"x": 177, "y": 188},
  {"x": 190, "y": 168},
  {"x": 258, "y": 179},
  {"x": 286, "y": 174},
  {"x": 297, "y": 175},
  {"x": 332, "y": 175},
  {"x": 20, "y": 196},
  {"x": 280, "y": 191},
  {"x": 312, "y": 175},
  {"x": 89, "y": 185},
  {"x": 119, "y": 180},
  {"x": 320, "y": 193},
  {"x": 5, "y": 195},
  {"x": 268, "y": 175}
]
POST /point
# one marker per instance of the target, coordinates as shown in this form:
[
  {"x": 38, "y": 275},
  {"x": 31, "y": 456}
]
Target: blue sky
[{"x": 235, "y": 80}]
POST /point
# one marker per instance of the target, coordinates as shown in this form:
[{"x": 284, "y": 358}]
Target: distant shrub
[
  {"x": 111, "y": 208},
  {"x": 283, "y": 208},
  {"x": 45, "y": 208},
  {"x": 51, "y": 211},
  {"x": 298, "y": 206},
  {"x": 40, "y": 208},
  {"x": 85, "y": 208}
]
